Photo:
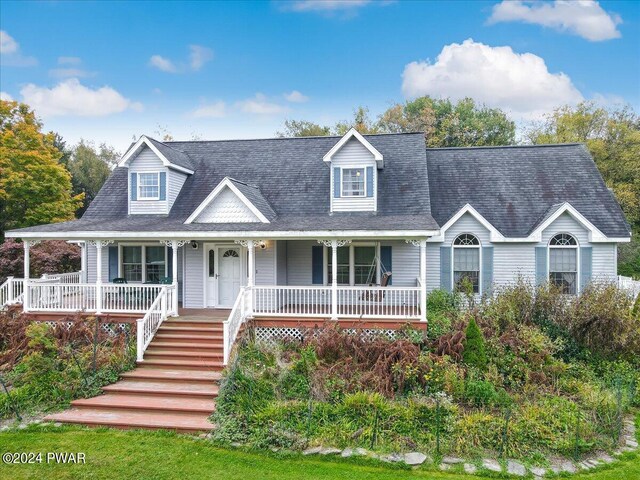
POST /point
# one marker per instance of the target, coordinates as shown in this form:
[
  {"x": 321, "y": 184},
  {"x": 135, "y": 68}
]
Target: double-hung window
[
  {"x": 353, "y": 184},
  {"x": 563, "y": 263},
  {"x": 149, "y": 186},
  {"x": 143, "y": 263},
  {"x": 357, "y": 261},
  {"x": 466, "y": 262}
]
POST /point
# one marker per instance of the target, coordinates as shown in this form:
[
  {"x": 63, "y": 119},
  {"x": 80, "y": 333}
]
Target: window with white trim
[
  {"x": 353, "y": 184},
  {"x": 466, "y": 262},
  {"x": 149, "y": 186},
  {"x": 563, "y": 263},
  {"x": 143, "y": 263},
  {"x": 357, "y": 261}
]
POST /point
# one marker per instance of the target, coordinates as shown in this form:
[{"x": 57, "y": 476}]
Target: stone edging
[{"x": 513, "y": 467}]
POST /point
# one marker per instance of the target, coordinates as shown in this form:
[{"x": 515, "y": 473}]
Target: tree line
[{"x": 42, "y": 180}]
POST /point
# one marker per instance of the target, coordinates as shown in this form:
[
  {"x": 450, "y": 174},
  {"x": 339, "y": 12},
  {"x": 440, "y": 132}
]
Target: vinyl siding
[
  {"x": 467, "y": 224},
  {"x": 299, "y": 262},
  {"x": 193, "y": 277},
  {"x": 175, "y": 181},
  {"x": 266, "y": 264},
  {"x": 433, "y": 266},
  {"x": 146, "y": 161},
  {"x": 511, "y": 261},
  {"x": 281, "y": 262},
  {"x": 604, "y": 261},
  {"x": 354, "y": 154},
  {"x": 92, "y": 270},
  {"x": 565, "y": 223},
  {"x": 405, "y": 263}
]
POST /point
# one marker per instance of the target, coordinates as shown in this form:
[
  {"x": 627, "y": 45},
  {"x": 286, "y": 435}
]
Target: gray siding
[
  {"x": 604, "y": 261},
  {"x": 405, "y": 263},
  {"x": 565, "y": 223},
  {"x": 146, "y": 161},
  {"x": 92, "y": 256},
  {"x": 175, "y": 180},
  {"x": 467, "y": 224},
  {"x": 193, "y": 277},
  {"x": 266, "y": 264},
  {"x": 511, "y": 261},
  {"x": 299, "y": 262},
  {"x": 353, "y": 153},
  {"x": 281, "y": 262}
]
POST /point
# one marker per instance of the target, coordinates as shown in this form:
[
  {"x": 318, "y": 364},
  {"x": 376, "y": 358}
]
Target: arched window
[
  {"x": 563, "y": 262},
  {"x": 230, "y": 253},
  {"x": 466, "y": 261}
]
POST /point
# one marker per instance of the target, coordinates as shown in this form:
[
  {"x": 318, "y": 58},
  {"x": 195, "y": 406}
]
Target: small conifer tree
[{"x": 473, "y": 353}]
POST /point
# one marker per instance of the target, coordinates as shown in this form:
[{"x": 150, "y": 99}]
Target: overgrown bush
[
  {"x": 518, "y": 373},
  {"x": 47, "y": 367}
]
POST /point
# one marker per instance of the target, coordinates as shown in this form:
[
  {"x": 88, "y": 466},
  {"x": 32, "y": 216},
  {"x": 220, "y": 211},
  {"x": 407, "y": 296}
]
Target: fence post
[
  {"x": 140, "y": 338},
  {"x": 505, "y": 433},
  {"x": 163, "y": 302},
  {"x": 437, "y": 425}
]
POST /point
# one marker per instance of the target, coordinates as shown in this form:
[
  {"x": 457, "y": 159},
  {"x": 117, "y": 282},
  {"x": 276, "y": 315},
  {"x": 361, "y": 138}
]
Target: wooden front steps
[{"x": 174, "y": 388}]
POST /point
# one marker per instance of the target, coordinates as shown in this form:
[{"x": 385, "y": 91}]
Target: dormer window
[
  {"x": 149, "y": 186},
  {"x": 353, "y": 184}
]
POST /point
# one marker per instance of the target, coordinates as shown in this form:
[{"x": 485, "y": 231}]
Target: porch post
[
  {"x": 334, "y": 279},
  {"x": 423, "y": 280},
  {"x": 83, "y": 262},
  {"x": 27, "y": 261},
  {"x": 174, "y": 277},
  {"x": 252, "y": 273},
  {"x": 98, "y": 276}
]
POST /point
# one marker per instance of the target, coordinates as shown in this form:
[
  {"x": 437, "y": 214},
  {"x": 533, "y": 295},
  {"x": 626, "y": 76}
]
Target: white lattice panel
[{"x": 275, "y": 334}]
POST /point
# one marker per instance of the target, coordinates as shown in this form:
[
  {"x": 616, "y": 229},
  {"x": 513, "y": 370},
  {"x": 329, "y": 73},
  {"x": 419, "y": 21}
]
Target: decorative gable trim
[
  {"x": 226, "y": 183},
  {"x": 139, "y": 145},
  {"x": 595, "y": 235},
  {"x": 353, "y": 133},
  {"x": 495, "y": 235}
]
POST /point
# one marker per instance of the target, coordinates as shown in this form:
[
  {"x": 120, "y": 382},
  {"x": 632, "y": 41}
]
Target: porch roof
[{"x": 356, "y": 224}]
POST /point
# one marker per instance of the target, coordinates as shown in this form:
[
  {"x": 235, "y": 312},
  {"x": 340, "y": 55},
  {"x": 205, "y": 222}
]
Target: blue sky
[{"x": 108, "y": 71}]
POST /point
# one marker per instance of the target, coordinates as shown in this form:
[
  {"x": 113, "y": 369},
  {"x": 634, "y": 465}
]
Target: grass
[{"x": 114, "y": 454}]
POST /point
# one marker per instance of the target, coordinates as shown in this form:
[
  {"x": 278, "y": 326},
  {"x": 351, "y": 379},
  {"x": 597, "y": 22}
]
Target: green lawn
[{"x": 113, "y": 454}]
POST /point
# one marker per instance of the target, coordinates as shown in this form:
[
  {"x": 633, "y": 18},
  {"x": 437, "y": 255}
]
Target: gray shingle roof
[
  {"x": 175, "y": 157},
  {"x": 286, "y": 178},
  {"x": 254, "y": 195},
  {"x": 516, "y": 188}
]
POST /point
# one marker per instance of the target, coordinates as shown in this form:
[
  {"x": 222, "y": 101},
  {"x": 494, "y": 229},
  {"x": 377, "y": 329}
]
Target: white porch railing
[
  {"x": 48, "y": 295},
  {"x": 630, "y": 284},
  {"x": 232, "y": 325},
  {"x": 11, "y": 291},
  {"x": 149, "y": 324},
  {"x": 353, "y": 302}
]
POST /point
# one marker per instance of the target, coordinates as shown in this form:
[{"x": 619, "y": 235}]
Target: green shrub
[
  {"x": 474, "y": 354},
  {"x": 481, "y": 393}
]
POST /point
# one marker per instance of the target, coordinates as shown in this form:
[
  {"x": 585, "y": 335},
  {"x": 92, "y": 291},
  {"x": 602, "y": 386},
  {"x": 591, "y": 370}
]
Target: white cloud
[
  {"x": 6, "y": 97},
  {"x": 198, "y": 56},
  {"x": 7, "y": 43},
  {"x": 162, "y": 63},
  {"x": 496, "y": 76},
  {"x": 10, "y": 53},
  {"x": 585, "y": 18},
  {"x": 69, "y": 60},
  {"x": 72, "y": 98},
  {"x": 324, "y": 5},
  {"x": 211, "y": 110},
  {"x": 260, "y": 105},
  {"x": 296, "y": 97}
]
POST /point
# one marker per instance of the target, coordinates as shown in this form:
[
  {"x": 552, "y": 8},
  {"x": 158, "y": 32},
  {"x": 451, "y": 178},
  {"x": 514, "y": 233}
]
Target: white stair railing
[
  {"x": 148, "y": 325},
  {"x": 232, "y": 325},
  {"x": 11, "y": 291}
]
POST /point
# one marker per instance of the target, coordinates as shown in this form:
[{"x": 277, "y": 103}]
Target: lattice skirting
[
  {"x": 275, "y": 334},
  {"x": 111, "y": 328}
]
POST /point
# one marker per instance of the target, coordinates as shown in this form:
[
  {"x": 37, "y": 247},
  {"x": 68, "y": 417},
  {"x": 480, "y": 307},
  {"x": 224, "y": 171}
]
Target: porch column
[
  {"x": 423, "y": 280},
  {"x": 98, "y": 244},
  {"x": 252, "y": 274},
  {"x": 83, "y": 262},
  {"x": 175, "y": 244},
  {"x": 334, "y": 279},
  {"x": 27, "y": 261}
]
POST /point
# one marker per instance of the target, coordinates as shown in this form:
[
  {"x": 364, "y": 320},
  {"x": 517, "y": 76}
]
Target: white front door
[{"x": 229, "y": 269}]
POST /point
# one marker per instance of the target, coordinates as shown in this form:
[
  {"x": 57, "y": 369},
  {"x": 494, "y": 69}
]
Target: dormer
[
  {"x": 354, "y": 164},
  {"x": 156, "y": 175}
]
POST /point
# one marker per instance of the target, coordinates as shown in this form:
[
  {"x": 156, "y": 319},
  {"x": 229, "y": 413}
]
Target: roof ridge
[
  {"x": 568, "y": 144},
  {"x": 287, "y": 138}
]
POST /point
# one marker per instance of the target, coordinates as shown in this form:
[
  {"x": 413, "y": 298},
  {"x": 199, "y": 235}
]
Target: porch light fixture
[
  {"x": 262, "y": 244},
  {"x": 194, "y": 244}
]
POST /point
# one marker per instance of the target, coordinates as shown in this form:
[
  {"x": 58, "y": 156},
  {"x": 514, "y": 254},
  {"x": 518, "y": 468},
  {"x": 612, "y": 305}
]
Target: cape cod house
[
  {"x": 299, "y": 231},
  {"x": 356, "y": 227}
]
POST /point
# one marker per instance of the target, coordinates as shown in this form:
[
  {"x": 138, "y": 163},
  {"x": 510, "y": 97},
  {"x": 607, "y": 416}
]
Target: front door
[{"x": 229, "y": 271}]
